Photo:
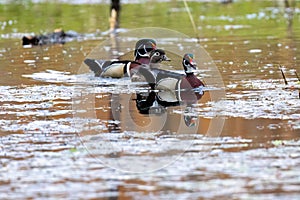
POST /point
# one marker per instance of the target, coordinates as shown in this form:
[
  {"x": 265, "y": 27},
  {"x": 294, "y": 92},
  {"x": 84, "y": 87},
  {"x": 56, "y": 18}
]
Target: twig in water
[{"x": 285, "y": 81}]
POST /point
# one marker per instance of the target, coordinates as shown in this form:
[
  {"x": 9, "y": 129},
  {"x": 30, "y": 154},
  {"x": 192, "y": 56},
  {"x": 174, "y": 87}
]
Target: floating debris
[
  {"x": 255, "y": 51},
  {"x": 29, "y": 61}
]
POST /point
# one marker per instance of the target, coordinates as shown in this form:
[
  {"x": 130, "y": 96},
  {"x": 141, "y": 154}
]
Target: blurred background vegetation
[{"x": 254, "y": 17}]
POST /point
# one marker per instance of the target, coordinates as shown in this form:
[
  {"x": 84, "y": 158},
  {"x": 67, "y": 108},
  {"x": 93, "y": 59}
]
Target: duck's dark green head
[
  {"x": 158, "y": 55},
  {"x": 143, "y": 48},
  {"x": 189, "y": 63}
]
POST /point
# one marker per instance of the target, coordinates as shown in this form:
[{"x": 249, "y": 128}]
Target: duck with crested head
[
  {"x": 190, "y": 66},
  {"x": 180, "y": 87},
  {"x": 144, "y": 49}
]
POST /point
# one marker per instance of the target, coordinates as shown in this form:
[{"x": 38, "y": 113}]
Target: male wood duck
[
  {"x": 180, "y": 87},
  {"x": 121, "y": 68},
  {"x": 190, "y": 66},
  {"x": 143, "y": 49}
]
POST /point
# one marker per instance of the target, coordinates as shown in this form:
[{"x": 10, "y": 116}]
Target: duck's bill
[
  {"x": 166, "y": 58},
  {"x": 191, "y": 69},
  {"x": 194, "y": 64}
]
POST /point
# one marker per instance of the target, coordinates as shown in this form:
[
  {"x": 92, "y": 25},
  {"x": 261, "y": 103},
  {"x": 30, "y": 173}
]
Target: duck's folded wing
[
  {"x": 97, "y": 66},
  {"x": 109, "y": 68},
  {"x": 115, "y": 70},
  {"x": 142, "y": 74}
]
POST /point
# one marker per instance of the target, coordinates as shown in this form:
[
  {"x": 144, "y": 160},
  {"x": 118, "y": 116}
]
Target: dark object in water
[{"x": 57, "y": 37}]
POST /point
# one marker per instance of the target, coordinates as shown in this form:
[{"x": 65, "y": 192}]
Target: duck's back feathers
[{"x": 110, "y": 68}]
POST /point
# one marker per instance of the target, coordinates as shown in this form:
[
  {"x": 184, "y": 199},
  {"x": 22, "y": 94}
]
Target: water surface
[{"x": 52, "y": 149}]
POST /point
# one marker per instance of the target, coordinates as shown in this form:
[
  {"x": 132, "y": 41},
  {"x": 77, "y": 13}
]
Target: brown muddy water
[{"x": 66, "y": 134}]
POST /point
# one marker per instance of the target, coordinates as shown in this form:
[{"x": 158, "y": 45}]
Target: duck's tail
[{"x": 95, "y": 65}]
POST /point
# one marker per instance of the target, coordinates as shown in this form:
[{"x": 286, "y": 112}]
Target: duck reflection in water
[{"x": 156, "y": 102}]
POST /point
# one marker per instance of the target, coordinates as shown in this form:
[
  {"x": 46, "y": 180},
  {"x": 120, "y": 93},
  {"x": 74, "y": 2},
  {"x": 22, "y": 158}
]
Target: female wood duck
[
  {"x": 121, "y": 68},
  {"x": 146, "y": 72}
]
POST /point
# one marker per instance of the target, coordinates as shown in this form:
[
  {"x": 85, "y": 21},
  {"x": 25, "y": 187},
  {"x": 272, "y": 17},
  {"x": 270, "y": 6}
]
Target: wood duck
[
  {"x": 158, "y": 56},
  {"x": 121, "y": 68},
  {"x": 179, "y": 87},
  {"x": 190, "y": 80}
]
